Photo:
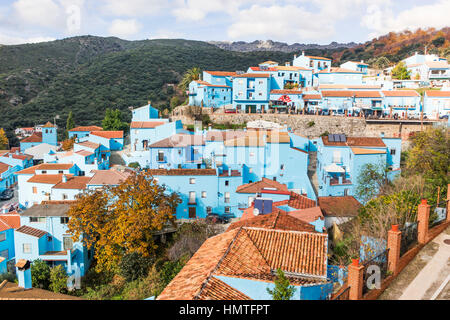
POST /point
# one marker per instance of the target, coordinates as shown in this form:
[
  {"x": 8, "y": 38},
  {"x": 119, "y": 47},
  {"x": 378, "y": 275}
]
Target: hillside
[
  {"x": 89, "y": 74},
  {"x": 269, "y": 45}
]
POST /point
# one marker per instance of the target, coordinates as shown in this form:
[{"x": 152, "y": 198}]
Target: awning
[
  {"x": 285, "y": 98},
  {"x": 334, "y": 168}
]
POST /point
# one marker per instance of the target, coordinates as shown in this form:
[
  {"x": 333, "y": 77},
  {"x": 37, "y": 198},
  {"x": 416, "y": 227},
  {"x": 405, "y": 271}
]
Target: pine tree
[
  {"x": 283, "y": 290},
  {"x": 70, "y": 124},
  {"x": 4, "y": 143},
  {"x": 401, "y": 72},
  {"x": 113, "y": 120}
]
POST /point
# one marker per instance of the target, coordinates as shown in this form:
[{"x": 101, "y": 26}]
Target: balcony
[
  {"x": 336, "y": 182},
  {"x": 56, "y": 255}
]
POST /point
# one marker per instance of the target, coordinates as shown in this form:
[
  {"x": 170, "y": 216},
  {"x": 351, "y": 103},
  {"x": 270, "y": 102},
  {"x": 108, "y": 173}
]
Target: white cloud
[
  {"x": 383, "y": 20},
  {"x": 132, "y": 8},
  {"x": 167, "y": 34},
  {"x": 289, "y": 23},
  {"x": 11, "y": 40},
  {"x": 43, "y": 13},
  {"x": 124, "y": 28}
]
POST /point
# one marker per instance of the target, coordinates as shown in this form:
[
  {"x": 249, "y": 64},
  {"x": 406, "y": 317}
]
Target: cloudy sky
[{"x": 304, "y": 21}]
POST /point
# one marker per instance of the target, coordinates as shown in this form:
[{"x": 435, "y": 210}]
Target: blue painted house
[
  {"x": 338, "y": 76},
  {"x": 316, "y": 64},
  {"x": 356, "y": 66},
  {"x": 83, "y": 131},
  {"x": 45, "y": 134},
  {"x": 8, "y": 222},
  {"x": 44, "y": 235},
  {"x": 436, "y": 103},
  {"x": 251, "y": 92},
  {"x": 401, "y": 103}
]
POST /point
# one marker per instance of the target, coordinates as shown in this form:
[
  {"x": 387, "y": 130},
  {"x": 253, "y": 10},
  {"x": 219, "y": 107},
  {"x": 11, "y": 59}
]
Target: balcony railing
[{"x": 335, "y": 181}]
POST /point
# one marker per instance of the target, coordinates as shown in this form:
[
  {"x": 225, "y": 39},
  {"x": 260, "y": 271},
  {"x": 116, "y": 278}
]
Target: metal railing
[
  {"x": 344, "y": 295},
  {"x": 409, "y": 237},
  {"x": 381, "y": 261},
  {"x": 438, "y": 214}
]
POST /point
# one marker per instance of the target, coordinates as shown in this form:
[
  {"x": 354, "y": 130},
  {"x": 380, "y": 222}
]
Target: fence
[
  {"x": 344, "y": 295},
  {"x": 438, "y": 214},
  {"x": 381, "y": 260},
  {"x": 409, "y": 237}
]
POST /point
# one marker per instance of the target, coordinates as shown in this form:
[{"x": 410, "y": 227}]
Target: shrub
[
  {"x": 134, "y": 165},
  {"x": 40, "y": 274},
  {"x": 7, "y": 276},
  {"x": 134, "y": 266},
  {"x": 310, "y": 124},
  {"x": 58, "y": 279}
]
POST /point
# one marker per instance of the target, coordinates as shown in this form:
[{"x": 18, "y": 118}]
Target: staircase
[{"x": 312, "y": 173}]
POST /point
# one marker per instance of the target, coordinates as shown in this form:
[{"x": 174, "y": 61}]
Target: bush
[
  {"x": 310, "y": 124},
  {"x": 168, "y": 271},
  {"x": 7, "y": 276},
  {"x": 134, "y": 266},
  {"x": 58, "y": 279},
  {"x": 134, "y": 165},
  {"x": 40, "y": 274}
]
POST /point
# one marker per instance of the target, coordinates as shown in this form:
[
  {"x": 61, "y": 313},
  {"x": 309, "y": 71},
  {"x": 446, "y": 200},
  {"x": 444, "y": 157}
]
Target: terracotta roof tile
[
  {"x": 46, "y": 166},
  {"x": 437, "y": 93},
  {"x": 48, "y": 125},
  {"x": 259, "y": 186},
  {"x": 108, "y": 134},
  {"x": 253, "y": 75},
  {"x": 216, "y": 289},
  {"x": 205, "y": 83},
  {"x": 298, "y": 201},
  {"x": 145, "y": 124},
  {"x": 221, "y": 73},
  {"x": 179, "y": 140},
  {"x": 339, "y": 70},
  {"x": 86, "y": 129},
  {"x": 4, "y": 167},
  {"x": 108, "y": 177},
  {"x": 285, "y": 91},
  {"x": 401, "y": 93},
  {"x": 270, "y": 69},
  {"x": 307, "y": 215},
  {"x": 78, "y": 183},
  {"x": 312, "y": 97},
  {"x": 367, "y": 151},
  {"x": 89, "y": 144},
  {"x": 31, "y": 231},
  {"x": 35, "y": 137},
  {"x": 46, "y": 178},
  {"x": 346, "y": 206},
  {"x": 318, "y": 58},
  {"x": 12, "y": 220}
]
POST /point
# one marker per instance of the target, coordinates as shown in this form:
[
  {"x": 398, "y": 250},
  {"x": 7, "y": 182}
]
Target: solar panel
[
  {"x": 343, "y": 138},
  {"x": 331, "y": 137}
]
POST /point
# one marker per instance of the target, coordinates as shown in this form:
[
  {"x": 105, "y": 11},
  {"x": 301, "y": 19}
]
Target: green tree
[
  {"x": 4, "y": 143},
  {"x": 134, "y": 266},
  {"x": 382, "y": 63},
  {"x": 189, "y": 76},
  {"x": 371, "y": 181},
  {"x": 70, "y": 124},
  {"x": 113, "y": 120},
  {"x": 58, "y": 279},
  {"x": 283, "y": 290},
  {"x": 401, "y": 72},
  {"x": 40, "y": 274}
]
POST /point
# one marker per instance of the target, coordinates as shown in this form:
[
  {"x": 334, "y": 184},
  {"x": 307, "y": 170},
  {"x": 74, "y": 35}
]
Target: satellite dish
[{"x": 255, "y": 211}]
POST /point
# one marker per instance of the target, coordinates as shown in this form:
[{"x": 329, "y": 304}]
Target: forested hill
[{"x": 89, "y": 74}]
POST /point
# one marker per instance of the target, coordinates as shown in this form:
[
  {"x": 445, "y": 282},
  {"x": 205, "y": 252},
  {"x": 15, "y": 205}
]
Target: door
[{"x": 192, "y": 213}]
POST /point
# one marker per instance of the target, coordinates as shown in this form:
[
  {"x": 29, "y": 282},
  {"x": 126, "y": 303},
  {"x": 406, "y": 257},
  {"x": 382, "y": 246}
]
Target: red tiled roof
[
  {"x": 12, "y": 220},
  {"x": 278, "y": 220},
  {"x": 145, "y": 124},
  {"x": 356, "y": 142},
  {"x": 108, "y": 134},
  {"x": 234, "y": 173},
  {"x": 298, "y": 201},
  {"x": 265, "y": 69},
  {"x": 285, "y": 91},
  {"x": 249, "y": 253},
  {"x": 78, "y": 183},
  {"x": 401, "y": 93},
  {"x": 46, "y": 166},
  {"x": 89, "y": 144},
  {"x": 35, "y": 137},
  {"x": 437, "y": 93},
  {"x": 48, "y": 125},
  {"x": 182, "y": 172},
  {"x": 312, "y": 97},
  {"x": 221, "y": 73},
  {"x": 46, "y": 178},
  {"x": 86, "y": 129},
  {"x": 4, "y": 167},
  {"x": 259, "y": 186},
  {"x": 318, "y": 58},
  {"x": 307, "y": 215},
  {"x": 253, "y": 75},
  {"x": 367, "y": 94},
  {"x": 84, "y": 153},
  {"x": 216, "y": 289},
  {"x": 339, "y": 70},
  {"x": 108, "y": 177},
  {"x": 346, "y": 206},
  {"x": 204, "y": 83},
  {"x": 338, "y": 93},
  {"x": 31, "y": 231}
]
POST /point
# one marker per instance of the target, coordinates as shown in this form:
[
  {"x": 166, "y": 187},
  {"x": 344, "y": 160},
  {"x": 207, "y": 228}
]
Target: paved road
[{"x": 15, "y": 199}]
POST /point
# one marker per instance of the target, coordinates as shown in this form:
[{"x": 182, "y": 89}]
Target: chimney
[
  {"x": 362, "y": 61},
  {"x": 303, "y": 53},
  {"x": 149, "y": 102},
  {"x": 229, "y": 172},
  {"x": 287, "y": 63},
  {"x": 64, "y": 178},
  {"x": 382, "y": 134},
  {"x": 24, "y": 273},
  {"x": 5, "y": 210},
  {"x": 295, "y": 56}
]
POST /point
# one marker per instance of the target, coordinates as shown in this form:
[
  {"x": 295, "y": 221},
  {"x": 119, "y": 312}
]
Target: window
[
  {"x": 261, "y": 82},
  {"x": 336, "y": 156},
  {"x": 44, "y": 171},
  {"x": 161, "y": 166},
  {"x": 203, "y": 194},
  {"x": 64, "y": 220},
  {"x": 4, "y": 254},
  {"x": 282, "y": 167},
  {"x": 192, "y": 181},
  {"x": 64, "y": 196},
  {"x": 35, "y": 190},
  {"x": 208, "y": 210},
  {"x": 346, "y": 192},
  {"x": 160, "y": 155},
  {"x": 2, "y": 237},
  {"x": 49, "y": 238},
  {"x": 227, "y": 183},
  {"x": 60, "y": 172},
  {"x": 393, "y": 151},
  {"x": 67, "y": 243},
  {"x": 192, "y": 197},
  {"x": 37, "y": 219},
  {"x": 227, "y": 209},
  {"x": 227, "y": 197},
  {"x": 26, "y": 248}
]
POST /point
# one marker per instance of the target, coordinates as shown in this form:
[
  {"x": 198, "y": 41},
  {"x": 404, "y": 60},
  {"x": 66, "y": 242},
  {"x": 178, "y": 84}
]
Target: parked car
[
  {"x": 217, "y": 218},
  {"x": 7, "y": 194}
]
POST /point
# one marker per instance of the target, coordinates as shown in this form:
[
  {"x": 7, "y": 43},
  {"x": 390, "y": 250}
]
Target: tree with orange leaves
[
  {"x": 120, "y": 220},
  {"x": 68, "y": 144}
]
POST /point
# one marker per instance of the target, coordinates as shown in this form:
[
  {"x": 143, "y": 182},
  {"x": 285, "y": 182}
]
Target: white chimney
[
  {"x": 64, "y": 178},
  {"x": 362, "y": 61},
  {"x": 295, "y": 56},
  {"x": 23, "y": 271},
  {"x": 287, "y": 63},
  {"x": 303, "y": 53}
]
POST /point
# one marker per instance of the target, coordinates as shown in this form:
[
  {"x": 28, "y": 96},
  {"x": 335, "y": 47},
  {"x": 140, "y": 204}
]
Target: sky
[{"x": 291, "y": 21}]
